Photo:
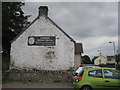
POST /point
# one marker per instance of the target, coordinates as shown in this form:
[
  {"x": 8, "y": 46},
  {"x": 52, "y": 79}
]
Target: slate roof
[
  {"x": 110, "y": 58},
  {"x": 78, "y": 48}
]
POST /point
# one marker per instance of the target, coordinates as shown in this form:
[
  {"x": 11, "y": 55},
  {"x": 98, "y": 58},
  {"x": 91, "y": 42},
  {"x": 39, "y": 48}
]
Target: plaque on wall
[{"x": 41, "y": 40}]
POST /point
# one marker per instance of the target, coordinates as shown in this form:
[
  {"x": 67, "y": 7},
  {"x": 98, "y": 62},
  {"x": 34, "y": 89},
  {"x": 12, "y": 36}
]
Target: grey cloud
[
  {"x": 81, "y": 20},
  {"x": 86, "y": 19}
]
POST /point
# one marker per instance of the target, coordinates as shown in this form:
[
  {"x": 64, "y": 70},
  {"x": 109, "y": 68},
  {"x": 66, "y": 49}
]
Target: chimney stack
[{"x": 43, "y": 11}]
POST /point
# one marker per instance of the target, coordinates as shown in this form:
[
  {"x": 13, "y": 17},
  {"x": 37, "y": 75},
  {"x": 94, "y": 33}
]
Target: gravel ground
[{"x": 37, "y": 85}]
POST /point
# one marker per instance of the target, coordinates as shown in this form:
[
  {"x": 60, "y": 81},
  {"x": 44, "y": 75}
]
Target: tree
[
  {"x": 117, "y": 58},
  {"x": 86, "y": 59},
  {"x": 13, "y": 22}
]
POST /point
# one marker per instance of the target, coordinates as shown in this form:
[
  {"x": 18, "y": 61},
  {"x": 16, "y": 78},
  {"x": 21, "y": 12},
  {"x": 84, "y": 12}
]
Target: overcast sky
[{"x": 93, "y": 24}]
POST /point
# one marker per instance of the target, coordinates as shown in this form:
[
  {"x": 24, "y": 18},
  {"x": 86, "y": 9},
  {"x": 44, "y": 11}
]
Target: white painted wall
[{"x": 23, "y": 55}]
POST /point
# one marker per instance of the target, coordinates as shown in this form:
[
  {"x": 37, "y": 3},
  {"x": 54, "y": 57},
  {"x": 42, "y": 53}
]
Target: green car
[{"x": 98, "y": 79}]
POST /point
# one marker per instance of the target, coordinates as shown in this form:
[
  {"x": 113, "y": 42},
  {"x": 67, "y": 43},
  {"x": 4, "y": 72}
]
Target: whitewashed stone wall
[{"x": 24, "y": 56}]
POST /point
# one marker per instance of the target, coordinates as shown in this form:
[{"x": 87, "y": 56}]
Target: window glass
[
  {"x": 95, "y": 73},
  {"x": 111, "y": 74},
  {"x": 81, "y": 74}
]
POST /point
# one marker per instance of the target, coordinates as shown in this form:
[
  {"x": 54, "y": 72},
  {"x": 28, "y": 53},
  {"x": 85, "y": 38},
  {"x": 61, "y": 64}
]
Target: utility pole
[
  {"x": 100, "y": 54},
  {"x": 113, "y": 47},
  {"x": 114, "y": 51}
]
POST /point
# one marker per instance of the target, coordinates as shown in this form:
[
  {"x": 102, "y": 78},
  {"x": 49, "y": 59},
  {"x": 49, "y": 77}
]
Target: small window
[
  {"x": 81, "y": 74},
  {"x": 111, "y": 74},
  {"x": 95, "y": 73}
]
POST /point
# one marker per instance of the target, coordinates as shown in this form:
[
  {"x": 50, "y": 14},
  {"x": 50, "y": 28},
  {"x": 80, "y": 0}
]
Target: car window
[
  {"x": 95, "y": 73},
  {"x": 79, "y": 69},
  {"x": 111, "y": 74},
  {"x": 81, "y": 73}
]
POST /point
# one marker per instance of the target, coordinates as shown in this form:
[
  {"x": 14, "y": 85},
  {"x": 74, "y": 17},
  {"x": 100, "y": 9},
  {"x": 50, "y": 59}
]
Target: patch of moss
[
  {"x": 35, "y": 69},
  {"x": 7, "y": 81}
]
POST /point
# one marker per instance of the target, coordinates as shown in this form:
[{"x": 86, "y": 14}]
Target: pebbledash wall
[{"x": 43, "y": 45}]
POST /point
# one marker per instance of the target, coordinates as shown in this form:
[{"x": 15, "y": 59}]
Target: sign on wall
[{"x": 41, "y": 40}]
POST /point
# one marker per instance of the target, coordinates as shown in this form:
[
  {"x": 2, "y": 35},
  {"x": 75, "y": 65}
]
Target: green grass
[
  {"x": 10, "y": 81},
  {"x": 7, "y": 81}
]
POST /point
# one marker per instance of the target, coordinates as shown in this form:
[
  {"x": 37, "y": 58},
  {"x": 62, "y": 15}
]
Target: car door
[
  {"x": 95, "y": 78},
  {"x": 112, "y": 79}
]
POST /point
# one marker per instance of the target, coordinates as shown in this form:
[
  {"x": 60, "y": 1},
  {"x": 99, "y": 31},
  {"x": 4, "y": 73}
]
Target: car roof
[
  {"x": 90, "y": 66},
  {"x": 99, "y": 69},
  {"x": 79, "y": 69}
]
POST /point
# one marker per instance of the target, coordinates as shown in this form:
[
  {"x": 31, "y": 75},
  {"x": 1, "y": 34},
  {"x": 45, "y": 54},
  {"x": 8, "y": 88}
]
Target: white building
[
  {"x": 104, "y": 60},
  {"x": 44, "y": 45},
  {"x": 100, "y": 60}
]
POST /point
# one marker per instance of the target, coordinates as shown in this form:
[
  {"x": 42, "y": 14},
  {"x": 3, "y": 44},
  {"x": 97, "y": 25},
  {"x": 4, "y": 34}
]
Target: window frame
[
  {"x": 81, "y": 73},
  {"x": 110, "y": 77},
  {"x": 96, "y": 76}
]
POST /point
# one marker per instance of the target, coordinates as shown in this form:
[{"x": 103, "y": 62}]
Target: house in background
[
  {"x": 100, "y": 60},
  {"x": 111, "y": 59},
  {"x": 45, "y": 46},
  {"x": 104, "y": 60}
]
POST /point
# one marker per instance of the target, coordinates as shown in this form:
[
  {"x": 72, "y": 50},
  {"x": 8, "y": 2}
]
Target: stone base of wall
[{"x": 40, "y": 75}]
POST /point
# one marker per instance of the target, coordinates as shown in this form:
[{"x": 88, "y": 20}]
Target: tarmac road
[{"x": 37, "y": 85}]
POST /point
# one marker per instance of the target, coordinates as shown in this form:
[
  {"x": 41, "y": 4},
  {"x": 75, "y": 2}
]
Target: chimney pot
[{"x": 43, "y": 11}]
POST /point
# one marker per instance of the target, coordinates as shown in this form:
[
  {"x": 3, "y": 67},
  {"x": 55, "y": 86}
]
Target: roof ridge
[
  {"x": 37, "y": 19},
  {"x": 23, "y": 30},
  {"x": 61, "y": 29}
]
